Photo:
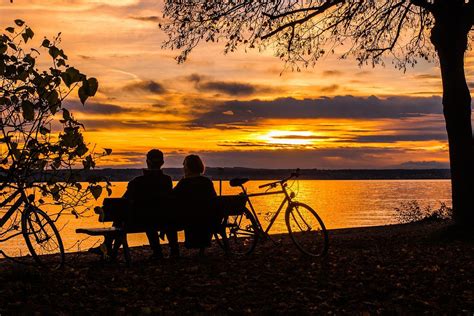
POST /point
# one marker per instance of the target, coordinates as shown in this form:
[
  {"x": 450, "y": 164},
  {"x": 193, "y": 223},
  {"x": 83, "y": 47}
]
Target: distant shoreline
[{"x": 118, "y": 175}]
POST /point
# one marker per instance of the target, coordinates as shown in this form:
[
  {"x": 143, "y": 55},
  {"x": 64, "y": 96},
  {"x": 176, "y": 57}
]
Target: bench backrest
[
  {"x": 114, "y": 210},
  {"x": 230, "y": 204},
  {"x": 118, "y": 209}
]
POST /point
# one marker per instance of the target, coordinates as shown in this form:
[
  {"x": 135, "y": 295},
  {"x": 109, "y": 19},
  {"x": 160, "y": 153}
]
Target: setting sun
[{"x": 289, "y": 137}]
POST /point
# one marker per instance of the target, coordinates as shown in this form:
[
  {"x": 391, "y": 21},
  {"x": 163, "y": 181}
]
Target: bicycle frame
[
  {"x": 288, "y": 199},
  {"x": 21, "y": 200},
  {"x": 13, "y": 208}
]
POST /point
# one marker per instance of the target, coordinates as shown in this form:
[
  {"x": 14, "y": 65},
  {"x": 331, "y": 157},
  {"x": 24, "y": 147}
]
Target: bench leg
[
  {"x": 225, "y": 240},
  {"x": 117, "y": 242},
  {"x": 126, "y": 250}
]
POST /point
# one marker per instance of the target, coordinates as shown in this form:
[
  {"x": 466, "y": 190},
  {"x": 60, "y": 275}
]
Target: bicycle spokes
[
  {"x": 306, "y": 230},
  {"x": 300, "y": 221},
  {"x": 42, "y": 238},
  {"x": 240, "y": 233}
]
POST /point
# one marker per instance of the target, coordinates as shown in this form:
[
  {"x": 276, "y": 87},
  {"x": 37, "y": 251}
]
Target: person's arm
[
  {"x": 212, "y": 191},
  {"x": 130, "y": 192},
  {"x": 169, "y": 185},
  {"x": 178, "y": 189}
]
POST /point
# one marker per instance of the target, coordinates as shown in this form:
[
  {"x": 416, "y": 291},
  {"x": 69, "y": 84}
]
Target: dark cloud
[
  {"x": 236, "y": 89},
  {"x": 427, "y": 76},
  {"x": 86, "y": 57},
  {"x": 229, "y": 88},
  {"x": 432, "y": 92},
  {"x": 152, "y": 18},
  {"x": 347, "y": 107},
  {"x": 323, "y": 158},
  {"x": 243, "y": 144},
  {"x": 101, "y": 124},
  {"x": 310, "y": 137},
  {"x": 148, "y": 86},
  {"x": 400, "y": 137},
  {"x": 95, "y": 108},
  {"x": 329, "y": 89},
  {"x": 423, "y": 165},
  {"x": 331, "y": 73}
]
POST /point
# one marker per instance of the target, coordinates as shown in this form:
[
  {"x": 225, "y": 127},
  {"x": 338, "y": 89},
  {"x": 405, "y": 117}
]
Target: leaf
[
  {"x": 43, "y": 130},
  {"x": 83, "y": 95},
  {"x": 28, "y": 109},
  {"x": 28, "y": 34},
  {"x": 92, "y": 86},
  {"x": 53, "y": 99},
  {"x": 10, "y": 29},
  {"x": 46, "y": 43},
  {"x": 75, "y": 213},
  {"x": 61, "y": 62},
  {"x": 81, "y": 150},
  {"x": 96, "y": 191},
  {"x": 66, "y": 115},
  {"x": 71, "y": 75},
  {"x": 98, "y": 210},
  {"x": 53, "y": 51},
  {"x": 19, "y": 22},
  {"x": 11, "y": 68},
  {"x": 108, "y": 151}
]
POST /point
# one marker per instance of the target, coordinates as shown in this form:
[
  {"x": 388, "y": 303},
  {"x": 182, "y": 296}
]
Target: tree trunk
[{"x": 450, "y": 36}]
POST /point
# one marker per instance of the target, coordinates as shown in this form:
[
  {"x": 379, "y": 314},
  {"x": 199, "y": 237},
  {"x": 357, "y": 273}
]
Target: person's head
[
  {"x": 193, "y": 166},
  {"x": 154, "y": 159}
]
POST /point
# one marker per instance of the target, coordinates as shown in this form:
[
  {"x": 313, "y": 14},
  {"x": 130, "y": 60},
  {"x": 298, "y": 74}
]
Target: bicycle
[
  {"x": 243, "y": 229},
  {"x": 38, "y": 229}
]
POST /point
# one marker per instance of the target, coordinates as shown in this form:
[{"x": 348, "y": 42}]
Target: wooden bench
[
  {"x": 112, "y": 210},
  {"x": 117, "y": 209}
]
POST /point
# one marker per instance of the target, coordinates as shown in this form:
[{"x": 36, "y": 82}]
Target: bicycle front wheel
[
  {"x": 239, "y": 233},
  {"x": 42, "y": 238},
  {"x": 307, "y": 230}
]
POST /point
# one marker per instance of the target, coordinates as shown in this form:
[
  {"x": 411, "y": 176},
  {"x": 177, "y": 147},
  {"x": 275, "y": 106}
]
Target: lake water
[{"x": 340, "y": 203}]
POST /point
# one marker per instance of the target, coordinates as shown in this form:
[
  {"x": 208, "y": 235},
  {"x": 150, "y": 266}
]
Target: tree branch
[
  {"x": 423, "y": 3},
  {"x": 318, "y": 10}
]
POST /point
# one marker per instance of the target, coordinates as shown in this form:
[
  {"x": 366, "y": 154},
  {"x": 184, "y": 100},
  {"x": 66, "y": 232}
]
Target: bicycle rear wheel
[
  {"x": 42, "y": 238},
  {"x": 239, "y": 233},
  {"x": 307, "y": 230}
]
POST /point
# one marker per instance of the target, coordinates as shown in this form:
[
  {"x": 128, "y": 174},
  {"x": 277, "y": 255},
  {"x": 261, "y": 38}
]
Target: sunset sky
[{"x": 241, "y": 109}]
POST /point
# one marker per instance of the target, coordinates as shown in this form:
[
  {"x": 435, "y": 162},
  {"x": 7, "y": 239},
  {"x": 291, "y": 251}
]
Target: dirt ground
[{"x": 400, "y": 269}]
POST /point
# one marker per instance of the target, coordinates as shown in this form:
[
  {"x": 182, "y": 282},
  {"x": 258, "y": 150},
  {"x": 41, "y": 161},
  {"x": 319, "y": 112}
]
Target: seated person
[
  {"x": 196, "y": 192},
  {"x": 148, "y": 194}
]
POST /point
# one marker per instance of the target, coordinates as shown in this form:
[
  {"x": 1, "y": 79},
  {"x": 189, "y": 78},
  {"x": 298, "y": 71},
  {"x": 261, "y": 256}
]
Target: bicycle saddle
[{"x": 237, "y": 182}]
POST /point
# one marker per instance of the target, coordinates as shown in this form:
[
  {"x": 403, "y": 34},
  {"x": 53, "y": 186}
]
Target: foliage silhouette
[
  {"x": 411, "y": 211},
  {"x": 41, "y": 143},
  {"x": 301, "y": 32}
]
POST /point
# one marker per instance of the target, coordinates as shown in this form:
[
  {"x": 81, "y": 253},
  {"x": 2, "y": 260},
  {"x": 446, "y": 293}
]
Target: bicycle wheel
[
  {"x": 241, "y": 234},
  {"x": 42, "y": 238},
  {"x": 307, "y": 230}
]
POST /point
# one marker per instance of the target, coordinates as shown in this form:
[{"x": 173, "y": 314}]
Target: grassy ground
[{"x": 395, "y": 269}]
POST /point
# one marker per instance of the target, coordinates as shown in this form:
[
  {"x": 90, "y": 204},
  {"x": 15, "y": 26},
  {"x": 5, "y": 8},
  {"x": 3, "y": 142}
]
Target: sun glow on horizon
[{"x": 287, "y": 137}]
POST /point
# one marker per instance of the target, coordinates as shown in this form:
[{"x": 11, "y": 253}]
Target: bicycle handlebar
[{"x": 295, "y": 174}]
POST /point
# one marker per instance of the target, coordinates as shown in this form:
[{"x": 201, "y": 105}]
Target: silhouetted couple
[{"x": 155, "y": 202}]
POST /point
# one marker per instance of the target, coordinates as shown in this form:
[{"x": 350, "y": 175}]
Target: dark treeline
[
  {"x": 271, "y": 174},
  {"x": 116, "y": 175}
]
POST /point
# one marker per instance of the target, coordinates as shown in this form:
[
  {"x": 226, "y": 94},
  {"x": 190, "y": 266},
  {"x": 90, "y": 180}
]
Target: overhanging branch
[{"x": 317, "y": 11}]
